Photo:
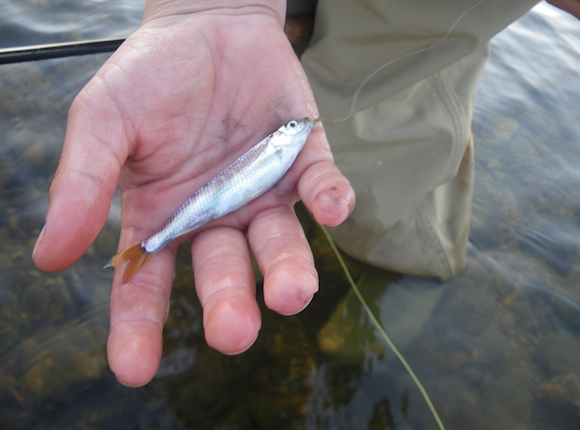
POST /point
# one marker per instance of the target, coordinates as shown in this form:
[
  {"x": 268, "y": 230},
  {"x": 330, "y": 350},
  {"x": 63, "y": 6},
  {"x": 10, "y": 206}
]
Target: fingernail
[{"x": 40, "y": 237}]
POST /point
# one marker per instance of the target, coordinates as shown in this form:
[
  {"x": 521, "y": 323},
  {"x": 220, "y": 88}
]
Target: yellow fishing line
[{"x": 381, "y": 329}]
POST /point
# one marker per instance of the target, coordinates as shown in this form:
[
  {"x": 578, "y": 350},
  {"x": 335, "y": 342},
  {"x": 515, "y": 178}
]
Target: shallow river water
[{"x": 496, "y": 347}]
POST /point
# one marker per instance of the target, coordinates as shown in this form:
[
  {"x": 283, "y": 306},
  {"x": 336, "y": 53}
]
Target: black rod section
[{"x": 57, "y": 50}]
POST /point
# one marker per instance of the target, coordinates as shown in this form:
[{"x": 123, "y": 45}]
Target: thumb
[{"x": 84, "y": 184}]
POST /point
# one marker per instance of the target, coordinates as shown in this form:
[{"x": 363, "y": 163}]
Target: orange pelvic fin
[{"x": 135, "y": 256}]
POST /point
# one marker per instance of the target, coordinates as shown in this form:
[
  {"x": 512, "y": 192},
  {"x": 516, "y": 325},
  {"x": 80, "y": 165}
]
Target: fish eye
[{"x": 292, "y": 123}]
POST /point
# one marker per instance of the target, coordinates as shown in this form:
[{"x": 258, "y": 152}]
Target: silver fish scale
[{"x": 251, "y": 175}]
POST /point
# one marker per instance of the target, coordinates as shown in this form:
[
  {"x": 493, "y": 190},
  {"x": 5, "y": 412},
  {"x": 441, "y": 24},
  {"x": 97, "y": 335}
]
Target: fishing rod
[
  {"x": 298, "y": 28},
  {"x": 57, "y": 50}
]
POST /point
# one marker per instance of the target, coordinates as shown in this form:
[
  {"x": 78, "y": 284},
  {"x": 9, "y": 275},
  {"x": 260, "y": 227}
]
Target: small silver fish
[{"x": 247, "y": 178}]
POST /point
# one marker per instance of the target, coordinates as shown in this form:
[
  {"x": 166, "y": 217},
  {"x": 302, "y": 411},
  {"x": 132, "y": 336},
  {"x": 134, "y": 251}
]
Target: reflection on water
[
  {"x": 496, "y": 347},
  {"x": 34, "y": 22}
]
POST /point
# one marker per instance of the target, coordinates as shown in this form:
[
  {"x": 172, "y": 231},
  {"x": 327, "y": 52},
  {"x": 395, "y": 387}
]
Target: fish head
[
  {"x": 297, "y": 126},
  {"x": 296, "y": 130}
]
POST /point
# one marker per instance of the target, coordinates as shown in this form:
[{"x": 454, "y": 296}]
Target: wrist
[{"x": 159, "y": 9}]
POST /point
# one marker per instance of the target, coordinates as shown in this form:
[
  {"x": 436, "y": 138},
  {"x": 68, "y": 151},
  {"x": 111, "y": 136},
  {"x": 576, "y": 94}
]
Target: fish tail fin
[{"x": 135, "y": 256}]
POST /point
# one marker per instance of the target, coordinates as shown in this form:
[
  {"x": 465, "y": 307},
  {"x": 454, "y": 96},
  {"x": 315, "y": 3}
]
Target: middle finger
[{"x": 225, "y": 284}]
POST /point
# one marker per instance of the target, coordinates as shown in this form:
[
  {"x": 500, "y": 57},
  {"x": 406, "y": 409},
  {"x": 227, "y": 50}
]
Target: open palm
[{"x": 177, "y": 103}]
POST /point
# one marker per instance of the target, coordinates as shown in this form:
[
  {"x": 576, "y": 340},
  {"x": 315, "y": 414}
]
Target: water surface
[{"x": 496, "y": 347}]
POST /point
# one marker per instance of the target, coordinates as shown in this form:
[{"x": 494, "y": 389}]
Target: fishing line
[
  {"x": 376, "y": 322},
  {"x": 337, "y": 252},
  {"x": 335, "y": 249},
  {"x": 382, "y": 67}
]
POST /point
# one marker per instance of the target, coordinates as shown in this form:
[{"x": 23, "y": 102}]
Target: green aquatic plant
[{"x": 381, "y": 328}]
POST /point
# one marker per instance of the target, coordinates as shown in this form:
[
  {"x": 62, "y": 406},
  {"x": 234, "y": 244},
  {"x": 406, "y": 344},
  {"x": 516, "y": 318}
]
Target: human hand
[{"x": 180, "y": 100}]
